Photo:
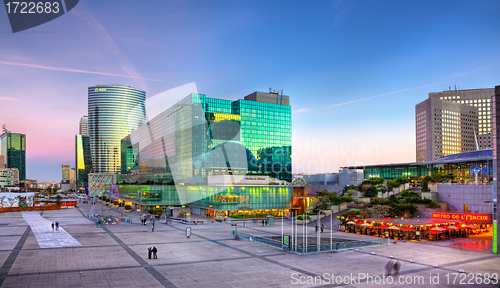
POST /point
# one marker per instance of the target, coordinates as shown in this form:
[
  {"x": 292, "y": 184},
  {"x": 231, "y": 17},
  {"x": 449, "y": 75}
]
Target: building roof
[{"x": 471, "y": 156}]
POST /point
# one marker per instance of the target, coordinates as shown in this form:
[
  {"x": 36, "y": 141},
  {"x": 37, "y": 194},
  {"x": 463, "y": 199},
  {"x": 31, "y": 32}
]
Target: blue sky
[{"x": 354, "y": 70}]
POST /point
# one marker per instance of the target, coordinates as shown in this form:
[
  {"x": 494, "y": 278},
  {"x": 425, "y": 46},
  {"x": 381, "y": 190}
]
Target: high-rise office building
[
  {"x": 65, "y": 173},
  {"x": 480, "y": 98},
  {"x": 13, "y": 151},
  {"x": 201, "y": 137},
  {"x": 84, "y": 126},
  {"x": 83, "y": 160},
  {"x": 443, "y": 128},
  {"x": 452, "y": 137},
  {"x": 114, "y": 111}
]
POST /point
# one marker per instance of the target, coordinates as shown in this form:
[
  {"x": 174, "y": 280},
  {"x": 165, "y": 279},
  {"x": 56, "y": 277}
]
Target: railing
[{"x": 329, "y": 247}]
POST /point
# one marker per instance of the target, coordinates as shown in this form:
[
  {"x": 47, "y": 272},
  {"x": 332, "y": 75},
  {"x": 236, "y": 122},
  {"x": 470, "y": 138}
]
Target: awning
[
  {"x": 383, "y": 226},
  {"x": 394, "y": 228},
  {"x": 407, "y": 229},
  {"x": 435, "y": 232}
]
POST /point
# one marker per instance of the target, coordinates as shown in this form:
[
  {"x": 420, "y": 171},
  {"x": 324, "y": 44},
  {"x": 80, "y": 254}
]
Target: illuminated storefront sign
[{"x": 461, "y": 217}]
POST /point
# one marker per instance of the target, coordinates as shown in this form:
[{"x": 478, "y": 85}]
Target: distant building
[
  {"x": 84, "y": 126},
  {"x": 446, "y": 123},
  {"x": 83, "y": 160},
  {"x": 65, "y": 173},
  {"x": 29, "y": 184},
  {"x": 6, "y": 177},
  {"x": 13, "y": 150},
  {"x": 114, "y": 111},
  {"x": 444, "y": 128}
]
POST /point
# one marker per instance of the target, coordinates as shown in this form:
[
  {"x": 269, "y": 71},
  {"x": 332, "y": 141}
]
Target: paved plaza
[{"x": 116, "y": 256}]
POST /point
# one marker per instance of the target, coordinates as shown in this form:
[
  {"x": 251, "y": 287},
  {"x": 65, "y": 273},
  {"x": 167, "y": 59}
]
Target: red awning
[
  {"x": 407, "y": 229},
  {"x": 435, "y": 232},
  {"x": 360, "y": 223},
  {"x": 446, "y": 228},
  {"x": 383, "y": 226}
]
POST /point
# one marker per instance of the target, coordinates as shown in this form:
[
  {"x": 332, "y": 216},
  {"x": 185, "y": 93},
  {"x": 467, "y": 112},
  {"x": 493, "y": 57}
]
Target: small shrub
[
  {"x": 353, "y": 211},
  {"x": 128, "y": 207}
]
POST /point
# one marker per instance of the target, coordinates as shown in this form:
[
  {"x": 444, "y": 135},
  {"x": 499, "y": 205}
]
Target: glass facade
[
  {"x": 200, "y": 137},
  {"x": 219, "y": 198},
  {"x": 113, "y": 112},
  {"x": 13, "y": 152},
  {"x": 83, "y": 160}
]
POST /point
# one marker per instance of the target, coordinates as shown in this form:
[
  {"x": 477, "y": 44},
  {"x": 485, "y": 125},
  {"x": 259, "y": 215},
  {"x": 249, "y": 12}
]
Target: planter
[
  {"x": 396, "y": 238},
  {"x": 358, "y": 233},
  {"x": 346, "y": 231},
  {"x": 383, "y": 236}
]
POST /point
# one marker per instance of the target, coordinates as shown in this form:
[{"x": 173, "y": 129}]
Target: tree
[
  {"x": 371, "y": 192},
  {"x": 58, "y": 200},
  {"x": 393, "y": 198}
]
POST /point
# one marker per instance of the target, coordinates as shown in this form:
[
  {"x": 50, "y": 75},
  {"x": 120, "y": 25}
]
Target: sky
[{"x": 354, "y": 70}]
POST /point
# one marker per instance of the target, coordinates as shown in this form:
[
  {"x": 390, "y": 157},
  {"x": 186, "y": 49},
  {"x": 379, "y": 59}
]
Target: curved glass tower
[{"x": 114, "y": 112}]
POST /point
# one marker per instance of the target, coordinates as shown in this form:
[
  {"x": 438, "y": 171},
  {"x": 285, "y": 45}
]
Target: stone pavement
[
  {"x": 116, "y": 256},
  {"x": 47, "y": 236}
]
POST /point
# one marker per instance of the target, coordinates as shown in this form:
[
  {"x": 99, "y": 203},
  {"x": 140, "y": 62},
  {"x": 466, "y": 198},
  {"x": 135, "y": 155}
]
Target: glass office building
[
  {"x": 474, "y": 167},
  {"x": 201, "y": 136},
  {"x": 13, "y": 151},
  {"x": 207, "y": 151},
  {"x": 223, "y": 201},
  {"x": 83, "y": 160},
  {"x": 113, "y": 112}
]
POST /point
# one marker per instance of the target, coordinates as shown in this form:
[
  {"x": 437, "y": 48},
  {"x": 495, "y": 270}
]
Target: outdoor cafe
[{"x": 418, "y": 229}]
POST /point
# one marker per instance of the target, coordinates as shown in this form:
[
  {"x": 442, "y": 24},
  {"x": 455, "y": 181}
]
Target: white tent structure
[{"x": 15, "y": 199}]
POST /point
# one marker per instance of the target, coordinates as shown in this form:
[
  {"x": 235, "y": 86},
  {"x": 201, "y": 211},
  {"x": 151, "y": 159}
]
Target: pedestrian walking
[
  {"x": 388, "y": 268},
  {"x": 262, "y": 222},
  {"x": 397, "y": 266},
  {"x": 57, "y": 226},
  {"x": 316, "y": 228},
  {"x": 322, "y": 228},
  {"x": 155, "y": 251},
  {"x": 52, "y": 226}
]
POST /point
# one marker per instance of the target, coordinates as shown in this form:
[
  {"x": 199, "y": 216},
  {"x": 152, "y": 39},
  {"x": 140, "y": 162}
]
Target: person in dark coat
[
  {"x": 52, "y": 226},
  {"x": 155, "y": 256},
  {"x": 57, "y": 226}
]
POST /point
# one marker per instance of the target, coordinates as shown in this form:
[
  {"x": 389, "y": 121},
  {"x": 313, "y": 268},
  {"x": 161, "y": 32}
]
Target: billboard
[{"x": 114, "y": 191}]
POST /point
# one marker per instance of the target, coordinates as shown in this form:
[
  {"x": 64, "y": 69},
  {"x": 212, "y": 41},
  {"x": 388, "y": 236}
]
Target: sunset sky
[{"x": 354, "y": 70}]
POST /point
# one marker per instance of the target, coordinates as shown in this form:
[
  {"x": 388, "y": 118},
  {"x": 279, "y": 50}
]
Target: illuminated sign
[
  {"x": 100, "y": 90},
  {"x": 461, "y": 217}
]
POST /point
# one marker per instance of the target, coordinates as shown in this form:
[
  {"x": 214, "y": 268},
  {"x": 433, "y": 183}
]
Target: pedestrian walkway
[{"x": 43, "y": 232}]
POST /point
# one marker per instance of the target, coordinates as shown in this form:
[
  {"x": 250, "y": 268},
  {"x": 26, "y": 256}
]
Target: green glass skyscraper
[
  {"x": 200, "y": 137},
  {"x": 13, "y": 151},
  {"x": 114, "y": 111}
]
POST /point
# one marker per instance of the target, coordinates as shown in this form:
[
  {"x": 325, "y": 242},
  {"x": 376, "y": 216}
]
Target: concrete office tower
[
  {"x": 480, "y": 98},
  {"x": 84, "y": 126},
  {"x": 114, "y": 111},
  {"x": 13, "y": 151},
  {"x": 496, "y": 154},
  {"x": 444, "y": 127}
]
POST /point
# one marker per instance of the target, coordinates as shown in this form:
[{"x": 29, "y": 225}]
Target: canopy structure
[
  {"x": 407, "y": 229},
  {"x": 383, "y": 226},
  {"x": 437, "y": 229},
  {"x": 350, "y": 222},
  {"x": 394, "y": 228},
  {"x": 435, "y": 232}
]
